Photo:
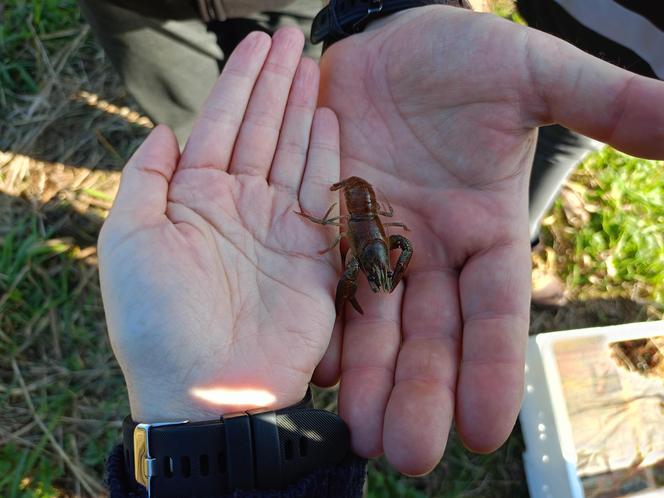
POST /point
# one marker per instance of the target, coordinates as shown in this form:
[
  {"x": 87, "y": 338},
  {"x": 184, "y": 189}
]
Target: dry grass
[{"x": 61, "y": 392}]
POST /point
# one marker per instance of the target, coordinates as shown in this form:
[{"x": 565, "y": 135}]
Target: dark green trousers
[{"x": 169, "y": 58}]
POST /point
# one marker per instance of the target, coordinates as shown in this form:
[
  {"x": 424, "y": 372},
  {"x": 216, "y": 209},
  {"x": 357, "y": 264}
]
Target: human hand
[
  {"x": 438, "y": 108},
  {"x": 210, "y": 280}
]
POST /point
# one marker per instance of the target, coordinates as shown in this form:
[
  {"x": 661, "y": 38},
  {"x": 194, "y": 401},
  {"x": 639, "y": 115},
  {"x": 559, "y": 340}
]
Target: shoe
[{"x": 547, "y": 289}]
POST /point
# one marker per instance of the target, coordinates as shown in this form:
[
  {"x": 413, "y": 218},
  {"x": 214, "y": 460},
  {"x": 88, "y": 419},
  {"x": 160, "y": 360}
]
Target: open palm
[
  {"x": 210, "y": 281},
  {"x": 438, "y": 108}
]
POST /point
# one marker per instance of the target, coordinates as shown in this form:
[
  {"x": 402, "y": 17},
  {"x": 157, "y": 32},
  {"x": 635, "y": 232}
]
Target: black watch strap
[
  {"x": 342, "y": 18},
  {"x": 263, "y": 450}
]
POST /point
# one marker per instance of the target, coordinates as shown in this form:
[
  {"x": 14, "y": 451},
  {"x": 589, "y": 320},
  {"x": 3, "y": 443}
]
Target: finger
[
  {"x": 216, "y": 129},
  {"x": 596, "y": 98},
  {"x": 143, "y": 190},
  {"x": 315, "y": 197},
  {"x": 323, "y": 165},
  {"x": 370, "y": 347},
  {"x": 494, "y": 288},
  {"x": 328, "y": 370},
  {"x": 259, "y": 133},
  {"x": 291, "y": 154},
  {"x": 421, "y": 406}
]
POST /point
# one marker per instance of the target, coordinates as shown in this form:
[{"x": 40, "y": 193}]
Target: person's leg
[
  {"x": 559, "y": 151},
  {"x": 169, "y": 58},
  {"x": 299, "y": 13},
  {"x": 164, "y": 53}
]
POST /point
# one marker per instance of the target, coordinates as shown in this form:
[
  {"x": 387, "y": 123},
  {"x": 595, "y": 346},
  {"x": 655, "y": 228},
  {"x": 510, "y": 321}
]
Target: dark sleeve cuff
[{"x": 343, "y": 481}]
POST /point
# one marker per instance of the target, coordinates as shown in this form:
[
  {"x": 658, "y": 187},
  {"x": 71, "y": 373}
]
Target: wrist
[{"x": 151, "y": 404}]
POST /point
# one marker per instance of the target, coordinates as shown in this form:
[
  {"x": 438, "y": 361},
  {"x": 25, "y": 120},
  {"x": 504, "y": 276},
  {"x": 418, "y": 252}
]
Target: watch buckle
[
  {"x": 374, "y": 7},
  {"x": 145, "y": 466}
]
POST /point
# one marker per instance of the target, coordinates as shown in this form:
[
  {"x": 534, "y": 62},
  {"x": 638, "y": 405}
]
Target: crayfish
[{"x": 369, "y": 244}]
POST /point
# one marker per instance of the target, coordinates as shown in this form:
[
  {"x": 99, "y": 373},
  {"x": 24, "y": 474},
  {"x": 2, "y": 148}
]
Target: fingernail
[{"x": 253, "y": 38}]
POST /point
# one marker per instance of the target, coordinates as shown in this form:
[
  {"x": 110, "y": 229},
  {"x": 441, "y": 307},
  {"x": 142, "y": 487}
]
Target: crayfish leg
[
  {"x": 400, "y": 242},
  {"x": 389, "y": 212},
  {"x": 334, "y": 244},
  {"x": 324, "y": 220}
]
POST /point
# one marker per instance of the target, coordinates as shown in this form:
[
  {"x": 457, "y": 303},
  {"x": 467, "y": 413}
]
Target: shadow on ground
[
  {"x": 61, "y": 391},
  {"x": 591, "y": 313},
  {"x": 56, "y": 220}
]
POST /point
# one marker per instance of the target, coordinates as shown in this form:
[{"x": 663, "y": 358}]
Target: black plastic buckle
[
  {"x": 253, "y": 447},
  {"x": 253, "y": 450}
]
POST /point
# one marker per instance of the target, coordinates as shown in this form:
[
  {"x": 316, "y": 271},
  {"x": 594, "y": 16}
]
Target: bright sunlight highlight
[{"x": 237, "y": 397}]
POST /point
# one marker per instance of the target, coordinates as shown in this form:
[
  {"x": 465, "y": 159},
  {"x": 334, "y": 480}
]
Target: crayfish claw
[
  {"x": 356, "y": 305},
  {"x": 400, "y": 242},
  {"x": 347, "y": 287}
]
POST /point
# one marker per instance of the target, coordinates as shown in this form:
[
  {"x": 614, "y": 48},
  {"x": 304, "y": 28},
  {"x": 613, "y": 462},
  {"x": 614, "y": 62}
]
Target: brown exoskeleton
[{"x": 369, "y": 244}]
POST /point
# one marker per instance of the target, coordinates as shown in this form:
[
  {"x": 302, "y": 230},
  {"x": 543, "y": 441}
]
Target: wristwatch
[
  {"x": 259, "y": 449},
  {"x": 342, "y": 18}
]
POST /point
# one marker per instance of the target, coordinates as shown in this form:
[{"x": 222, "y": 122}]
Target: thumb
[
  {"x": 596, "y": 98},
  {"x": 146, "y": 177}
]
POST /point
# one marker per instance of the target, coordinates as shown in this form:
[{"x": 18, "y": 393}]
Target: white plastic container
[{"x": 593, "y": 413}]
